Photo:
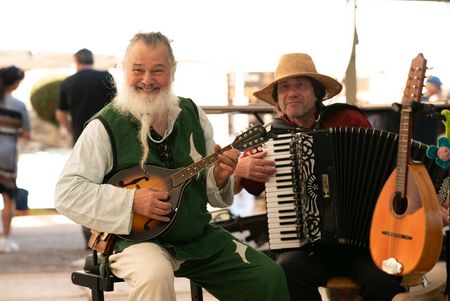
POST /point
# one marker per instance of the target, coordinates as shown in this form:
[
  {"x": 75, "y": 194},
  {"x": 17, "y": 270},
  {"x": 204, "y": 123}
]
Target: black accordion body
[{"x": 328, "y": 181}]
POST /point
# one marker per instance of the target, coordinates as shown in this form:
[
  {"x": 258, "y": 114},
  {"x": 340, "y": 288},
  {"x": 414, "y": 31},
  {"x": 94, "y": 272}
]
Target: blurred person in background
[
  {"x": 81, "y": 96},
  {"x": 426, "y": 128},
  {"x": 433, "y": 89},
  {"x": 14, "y": 123}
]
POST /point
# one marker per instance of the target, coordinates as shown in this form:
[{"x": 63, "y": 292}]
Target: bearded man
[{"x": 147, "y": 125}]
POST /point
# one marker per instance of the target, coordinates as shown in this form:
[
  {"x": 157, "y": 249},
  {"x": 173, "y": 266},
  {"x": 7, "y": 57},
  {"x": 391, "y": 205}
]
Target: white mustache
[{"x": 149, "y": 87}]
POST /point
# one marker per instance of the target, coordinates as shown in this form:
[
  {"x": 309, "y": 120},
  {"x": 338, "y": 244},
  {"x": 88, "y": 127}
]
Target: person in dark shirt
[
  {"x": 297, "y": 92},
  {"x": 81, "y": 96}
]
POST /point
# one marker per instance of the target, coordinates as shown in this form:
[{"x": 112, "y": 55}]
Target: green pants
[{"x": 238, "y": 272}]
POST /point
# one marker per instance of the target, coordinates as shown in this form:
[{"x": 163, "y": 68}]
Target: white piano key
[
  {"x": 274, "y": 236},
  {"x": 281, "y": 216},
  {"x": 284, "y": 220},
  {"x": 282, "y": 206},
  {"x": 282, "y": 244},
  {"x": 280, "y": 158},
  {"x": 285, "y": 206},
  {"x": 282, "y": 170},
  {"x": 281, "y": 201},
  {"x": 280, "y": 194},
  {"x": 277, "y": 201},
  {"x": 277, "y": 192},
  {"x": 276, "y": 142},
  {"x": 275, "y": 205},
  {"x": 277, "y": 229},
  {"x": 282, "y": 181},
  {"x": 285, "y": 245}
]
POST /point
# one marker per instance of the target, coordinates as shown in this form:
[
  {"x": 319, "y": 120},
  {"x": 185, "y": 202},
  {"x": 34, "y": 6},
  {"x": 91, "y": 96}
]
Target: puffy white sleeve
[
  {"x": 80, "y": 194},
  {"x": 216, "y": 198}
]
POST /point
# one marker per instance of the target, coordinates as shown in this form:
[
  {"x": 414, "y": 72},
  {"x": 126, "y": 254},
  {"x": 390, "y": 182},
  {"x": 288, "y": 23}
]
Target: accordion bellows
[{"x": 328, "y": 181}]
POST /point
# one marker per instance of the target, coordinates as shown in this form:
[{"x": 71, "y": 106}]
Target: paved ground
[
  {"x": 51, "y": 249},
  {"x": 49, "y": 243}
]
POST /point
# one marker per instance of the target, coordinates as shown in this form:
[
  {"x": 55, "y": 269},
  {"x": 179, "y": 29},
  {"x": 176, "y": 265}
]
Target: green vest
[{"x": 190, "y": 236}]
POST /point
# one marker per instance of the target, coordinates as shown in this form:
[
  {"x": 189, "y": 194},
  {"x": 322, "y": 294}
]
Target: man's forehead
[{"x": 142, "y": 54}]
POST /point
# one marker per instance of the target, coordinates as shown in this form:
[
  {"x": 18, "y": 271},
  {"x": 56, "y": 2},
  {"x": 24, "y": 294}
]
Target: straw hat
[{"x": 294, "y": 65}]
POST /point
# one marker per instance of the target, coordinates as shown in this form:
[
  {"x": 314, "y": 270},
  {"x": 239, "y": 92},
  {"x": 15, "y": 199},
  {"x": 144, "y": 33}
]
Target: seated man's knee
[
  {"x": 143, "y": 263},
  {"x": 160, "y": 272}
]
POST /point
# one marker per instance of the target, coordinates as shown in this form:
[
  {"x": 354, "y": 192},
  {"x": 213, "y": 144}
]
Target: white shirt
[{"x": 81, "y": 196}]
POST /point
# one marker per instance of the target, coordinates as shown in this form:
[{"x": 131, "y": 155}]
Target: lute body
[{"x": 414, "y": 237}]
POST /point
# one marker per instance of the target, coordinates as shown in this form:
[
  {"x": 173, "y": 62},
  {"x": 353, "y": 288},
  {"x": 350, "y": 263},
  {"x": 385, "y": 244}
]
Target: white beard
[{"x": 146, "y": 109}]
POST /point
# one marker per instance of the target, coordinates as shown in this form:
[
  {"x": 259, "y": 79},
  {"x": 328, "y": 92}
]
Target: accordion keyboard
[{"x": 281, "y": 196}]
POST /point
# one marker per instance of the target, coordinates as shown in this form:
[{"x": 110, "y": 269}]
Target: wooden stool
[{"x": 91, "y": 278}]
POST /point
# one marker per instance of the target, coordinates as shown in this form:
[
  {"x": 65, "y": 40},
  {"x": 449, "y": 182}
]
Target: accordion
[{"x": 328, "y": 181}]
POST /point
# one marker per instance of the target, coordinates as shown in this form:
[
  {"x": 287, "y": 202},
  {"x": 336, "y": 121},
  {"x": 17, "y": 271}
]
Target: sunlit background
[{"x": 214, "y": 41}]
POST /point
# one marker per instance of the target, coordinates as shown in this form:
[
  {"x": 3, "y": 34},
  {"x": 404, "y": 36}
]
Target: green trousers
[{"x": 238, "y": 272}]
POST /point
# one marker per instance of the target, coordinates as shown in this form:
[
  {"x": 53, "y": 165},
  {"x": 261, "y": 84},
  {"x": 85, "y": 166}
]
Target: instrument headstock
[
  {"x": 254, "y": 136},
  {"x": 414, "y": 83}
]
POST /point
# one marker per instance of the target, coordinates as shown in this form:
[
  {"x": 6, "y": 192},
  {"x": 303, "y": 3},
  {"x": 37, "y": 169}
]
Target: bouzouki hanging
[{"x": 406, "y": 229}]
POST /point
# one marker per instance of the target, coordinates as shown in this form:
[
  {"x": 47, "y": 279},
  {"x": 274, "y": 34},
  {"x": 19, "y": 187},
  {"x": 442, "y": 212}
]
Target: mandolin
[
  {"x": 406, "y": 228},
  {"x": 175, "y": 182}
]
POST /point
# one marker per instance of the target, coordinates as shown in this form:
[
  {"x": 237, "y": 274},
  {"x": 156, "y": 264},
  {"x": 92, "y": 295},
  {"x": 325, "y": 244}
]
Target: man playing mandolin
[{"x": 123, "y": 177}]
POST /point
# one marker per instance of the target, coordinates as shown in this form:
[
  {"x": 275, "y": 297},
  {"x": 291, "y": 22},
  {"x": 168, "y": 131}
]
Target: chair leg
[
  {"x": 97, "y": 295},
  {"x": 196, "y": 292}
]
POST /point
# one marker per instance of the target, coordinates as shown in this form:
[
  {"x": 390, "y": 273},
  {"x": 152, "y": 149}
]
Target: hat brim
[{"x": 332, "y": 87}]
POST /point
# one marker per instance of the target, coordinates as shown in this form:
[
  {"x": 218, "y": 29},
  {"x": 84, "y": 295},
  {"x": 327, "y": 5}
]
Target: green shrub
[{"x": 44, "y": 100}]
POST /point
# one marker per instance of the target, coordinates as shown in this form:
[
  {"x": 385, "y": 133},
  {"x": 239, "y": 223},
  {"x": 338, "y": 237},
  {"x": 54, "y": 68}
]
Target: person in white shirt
[{"x": 141, "y": 138}]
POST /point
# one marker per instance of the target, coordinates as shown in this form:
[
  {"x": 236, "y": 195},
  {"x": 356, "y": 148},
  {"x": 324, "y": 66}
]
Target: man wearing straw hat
[{"x": 297, "y": 92}]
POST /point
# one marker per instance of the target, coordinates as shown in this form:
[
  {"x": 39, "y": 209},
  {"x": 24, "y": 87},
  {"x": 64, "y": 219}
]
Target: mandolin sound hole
[{"x": 400, "y": 204}]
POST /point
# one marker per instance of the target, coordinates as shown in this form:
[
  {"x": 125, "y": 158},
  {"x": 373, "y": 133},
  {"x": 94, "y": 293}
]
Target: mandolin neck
[
  {"x": 412, "y": 93},
  {"x": 188, "y": 172},
  {"x": 251, "y": 138},
  {"x": 403, "y": 153}
]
